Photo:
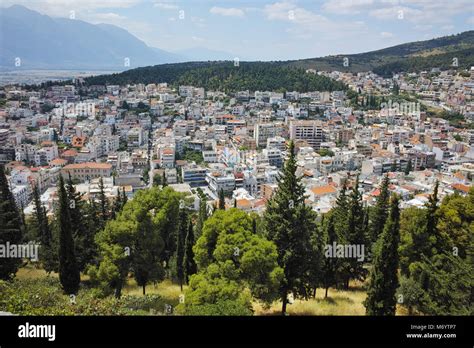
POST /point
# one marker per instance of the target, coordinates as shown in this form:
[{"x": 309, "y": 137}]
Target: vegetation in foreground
[{"x": 234, "y": 263}]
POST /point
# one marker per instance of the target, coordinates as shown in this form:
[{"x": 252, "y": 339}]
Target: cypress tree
[
  {"x": 409, "y": 167},
  {"x": 190, "y": 266},
  {"x": 221, "y": 200},
  {"x": 124, "y": 197},
  {"x": 383, "y": 276},
  {"x": 202, "y": 216},
  {"x": 43, "y": 233},
  {"x": 380, "y": 211},
  {"x": 10, "y": 231},
  {"x": 355, "y": 232},
  {"x": 341, "y": 210},
  {"x": 290, "y": 224},
  {"x": 180, "y": 246},
  {"x": 103, "y": 202},
  {"x": 83, "y": 226},
  {"x": 331, "y": 265},
  {"x": 69, "y": 275}
]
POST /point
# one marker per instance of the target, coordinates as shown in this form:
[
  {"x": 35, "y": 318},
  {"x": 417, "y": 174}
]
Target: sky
[{"x": 271, "y": 30}]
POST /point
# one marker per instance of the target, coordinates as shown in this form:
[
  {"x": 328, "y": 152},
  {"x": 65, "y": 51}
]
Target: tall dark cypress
[
  {"x": 104, "y": 204},
  {"x": 355, "y": 232},
  {"x": 384, "y": 274},
  {"x": 290, "y": 224},
  {"x": 331, "y": 272},
  {"x": 380, "y": 211},
  {"x": 69, "y": 275},
  {"x": 190, "y": 266},
  {"x": 48, "y": 253},
  {"x": 83, "y": 225},
  {"x": 180, "y": 245},
  {"x": 10, "y": 230},
  {"x": 221, "y": 200}
]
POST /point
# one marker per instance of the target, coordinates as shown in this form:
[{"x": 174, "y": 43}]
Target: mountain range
[{"x": 43, "y": 42}]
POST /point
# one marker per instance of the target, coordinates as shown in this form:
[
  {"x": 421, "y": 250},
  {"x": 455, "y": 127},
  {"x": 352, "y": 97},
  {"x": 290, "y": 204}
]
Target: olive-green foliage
[
  {"x": 138, "y": 240},
  {"x": 230, "y": 259},
  {"x": 44, "y": 297}
]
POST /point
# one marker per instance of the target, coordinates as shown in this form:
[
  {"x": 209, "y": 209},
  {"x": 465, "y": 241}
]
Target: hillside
[
  {"x": 413, "y": 56},
  {"x": 290, "y": 75},
  {"x": 225, "y": 76}
]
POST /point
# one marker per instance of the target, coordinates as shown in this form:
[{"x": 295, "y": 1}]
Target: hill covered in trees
[
  {"x": 446, "y": 52},
  {"x": 225, "y": 76},
  {"x": 408, "y": 57}
]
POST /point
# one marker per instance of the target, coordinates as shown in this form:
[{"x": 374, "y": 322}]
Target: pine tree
[
  {"x": 180, "y": 246},
  {"x": 10, "y": 231},
  {"x": 104, "y": 204},
  {"x": 384, "y": 274},
  {"x": 331, "y": 272},
  {"x": 117, "y": 205},
  {"x": 341, "y": 210},
  {"x": 124, "y": 197},
  {"x": 409, "y": 167},
  {"x": 432, "y": 207},
  {"x": 355, "y": 232},
  {"x": 202, "y": 215},
  {"x": 83, "y": 225},
  {"x": 394, "y": 166},
  {"x": 289, "y": 223},
  {"x": 190, "y": 266},
  {"x": 68, "y": 269},
  {"x": 221, "y": 200},
  {"x": 43, "y": 233},
  {"x": 380, "y": 211}
]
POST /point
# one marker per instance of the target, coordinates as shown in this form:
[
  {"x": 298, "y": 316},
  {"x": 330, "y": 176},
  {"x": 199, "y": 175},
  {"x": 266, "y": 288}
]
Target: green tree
[
  {"x": 331, "y": 268},
  {"x": 48, "y": 254},
  {"x": 230, "y": 256},
  {"x": 447, "y": 282},
  {"x": 380, "y": 210},
  {"x": 103, "y": 202},
  {"x": 157, "y": 180},
  {"x": 289, "y": 223},
  {"x": 69, "y": 275},
  {"x": 190, "y": 266},
  {"x": 83, "y": 225},
  {"x": 180, "y": 245},
  {"x": 383, "y": 276},
  {"x": 221, "y": 199},
  {"x": 409, "y": 167},
  {"x": 10, "y": 231},
  {"x": 355, "y": 232},
  {"x": 202, "y": 215}
]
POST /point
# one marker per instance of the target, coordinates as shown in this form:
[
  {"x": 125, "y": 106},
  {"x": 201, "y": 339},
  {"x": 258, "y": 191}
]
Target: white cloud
[
  {"x": 386, "y": 35},
  {"x": 229, "y": 12},
  {"x": 108, "y": 17},
  {"x": 305, "y": 23},
  {"x": 197, "y": 39},
  {"x": 166, "y": 5},
  {"x": 346, "y": 6}
]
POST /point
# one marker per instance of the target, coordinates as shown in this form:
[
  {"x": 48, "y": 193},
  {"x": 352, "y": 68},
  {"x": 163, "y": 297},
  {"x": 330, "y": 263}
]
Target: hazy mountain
[
  {"x": 204, "y": 54},
  {"x": 59, "y": 43}
]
